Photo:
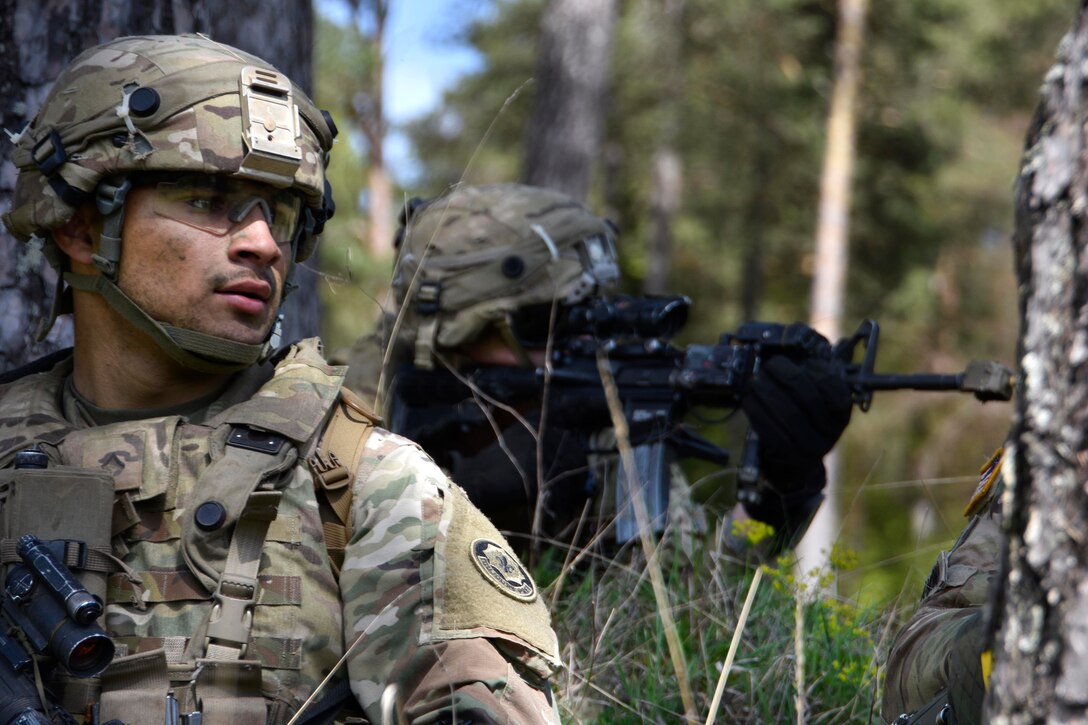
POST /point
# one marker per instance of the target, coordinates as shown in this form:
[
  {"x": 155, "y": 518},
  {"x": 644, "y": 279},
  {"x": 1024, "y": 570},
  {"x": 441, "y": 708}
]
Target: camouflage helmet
[
  {"x": 179, "y": 103},
  {"x": 469, "y": 258}
]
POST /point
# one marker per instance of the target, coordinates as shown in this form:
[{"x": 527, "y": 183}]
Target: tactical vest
[{"x": 227, "y": 597}]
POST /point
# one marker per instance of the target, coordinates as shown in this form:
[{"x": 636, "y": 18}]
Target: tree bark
[
  {"x": 572, "y": 71},
  {"x": 1041, "y": 646},
  {"x": 372, "y": 120},
  {"x": 668, "y": 170},
  {"x": 37, "y": 39}
]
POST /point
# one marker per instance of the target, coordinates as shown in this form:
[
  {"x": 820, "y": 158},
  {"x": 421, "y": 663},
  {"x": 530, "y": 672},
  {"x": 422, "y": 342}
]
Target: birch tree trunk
[
  {"x": 668, "y": 170},
  {"x": 572, "y": 72},
  {"x": 37, "y": 39},
  {"x": 832, "y": 251},
  {"x": 1041, "y": 646}
]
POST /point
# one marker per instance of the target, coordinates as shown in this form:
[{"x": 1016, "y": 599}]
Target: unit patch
[
  {"x": 987, "y": 476},
  {"x": 500, "y": 567}
]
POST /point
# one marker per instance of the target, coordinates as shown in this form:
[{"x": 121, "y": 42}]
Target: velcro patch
[{"x": 502, "y": 568}]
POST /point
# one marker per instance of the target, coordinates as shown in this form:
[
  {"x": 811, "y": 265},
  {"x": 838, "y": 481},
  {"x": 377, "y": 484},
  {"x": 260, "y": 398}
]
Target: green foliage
[
  {"x": 620, "y": 670},
  {"x": 948, "y": 87},
  {"x": 354, "y": 279},
  {"x": 476, "y": 134}
]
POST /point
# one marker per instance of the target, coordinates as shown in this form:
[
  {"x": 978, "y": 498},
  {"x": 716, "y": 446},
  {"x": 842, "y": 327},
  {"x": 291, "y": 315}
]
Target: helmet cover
[{"x": 471, "y": 256}]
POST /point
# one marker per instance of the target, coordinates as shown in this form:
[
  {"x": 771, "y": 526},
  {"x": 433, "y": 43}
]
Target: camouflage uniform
[
  {"x": 221, "y": 586},
  {"x": 425, "y": 619},
  {"x": 940, "y": 648}
]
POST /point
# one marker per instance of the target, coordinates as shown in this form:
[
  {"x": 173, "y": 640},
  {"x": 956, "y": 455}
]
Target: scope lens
[{"x": 88, "y": 656}]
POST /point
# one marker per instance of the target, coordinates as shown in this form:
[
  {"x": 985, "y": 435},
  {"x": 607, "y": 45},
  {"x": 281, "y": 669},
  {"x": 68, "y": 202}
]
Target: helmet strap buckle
[
  {"x": 49, "y": 160},
  {"x": 427, "y": 299},
  {"x": 110, "y": 200}
]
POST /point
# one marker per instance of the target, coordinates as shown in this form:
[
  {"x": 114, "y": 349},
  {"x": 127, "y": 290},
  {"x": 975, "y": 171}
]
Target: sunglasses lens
[{"x": 217, "y": 204}]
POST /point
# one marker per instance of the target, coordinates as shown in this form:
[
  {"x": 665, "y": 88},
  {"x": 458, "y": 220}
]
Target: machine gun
[
  {"x": 659, "y": 383},
  {"x": 55, "y": 614}
]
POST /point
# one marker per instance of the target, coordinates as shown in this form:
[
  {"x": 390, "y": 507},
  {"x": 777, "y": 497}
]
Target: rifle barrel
[{"x": 916, "y": 381}]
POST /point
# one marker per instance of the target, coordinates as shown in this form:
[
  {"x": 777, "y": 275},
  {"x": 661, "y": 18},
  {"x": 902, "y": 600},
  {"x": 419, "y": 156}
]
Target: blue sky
[{"x": 421, "y": 61}]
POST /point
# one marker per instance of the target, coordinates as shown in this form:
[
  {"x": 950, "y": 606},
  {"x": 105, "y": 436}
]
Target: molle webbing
[
  {"x": 61, "y": 502},
  {"x": 335, "y": 464},
  {"x": 77, "y": 556}
]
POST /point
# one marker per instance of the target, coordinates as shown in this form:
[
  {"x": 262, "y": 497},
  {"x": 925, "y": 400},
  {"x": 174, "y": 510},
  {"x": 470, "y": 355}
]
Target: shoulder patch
[
  {"x": 501, "y": 568},
  {"x": 482, "y": 590},
  {"x": 987, "y": 476}
]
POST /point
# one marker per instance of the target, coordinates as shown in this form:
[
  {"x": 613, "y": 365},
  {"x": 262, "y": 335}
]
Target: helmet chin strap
[{"x": 195, "y": 350}]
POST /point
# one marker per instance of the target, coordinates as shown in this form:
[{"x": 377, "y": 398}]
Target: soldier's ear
[{"x": 77, "y": 236}]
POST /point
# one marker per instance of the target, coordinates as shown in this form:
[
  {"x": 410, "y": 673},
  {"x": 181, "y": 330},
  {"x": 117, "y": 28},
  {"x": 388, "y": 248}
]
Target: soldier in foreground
[
  {"x": 237, "y": 511},
  {"x": 486, "y": 277}
]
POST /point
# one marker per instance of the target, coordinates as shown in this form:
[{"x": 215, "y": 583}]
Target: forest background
[
  {"x": 948, "y": 87},
  {"x": 709, "y": 159}
]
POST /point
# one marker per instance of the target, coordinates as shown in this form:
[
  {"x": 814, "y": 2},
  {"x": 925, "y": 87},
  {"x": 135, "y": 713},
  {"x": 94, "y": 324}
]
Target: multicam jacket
[
  {"x": 440, "y": 623},
  {"x": 940, "y": 646}
]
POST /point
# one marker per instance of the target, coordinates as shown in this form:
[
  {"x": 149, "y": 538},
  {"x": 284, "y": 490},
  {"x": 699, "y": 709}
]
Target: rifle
[{"x": 659, "y": 383}]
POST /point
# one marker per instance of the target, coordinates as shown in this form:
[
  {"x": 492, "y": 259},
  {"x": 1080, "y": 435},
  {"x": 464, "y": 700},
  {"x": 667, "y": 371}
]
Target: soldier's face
[{"x": 220, "y": 279}]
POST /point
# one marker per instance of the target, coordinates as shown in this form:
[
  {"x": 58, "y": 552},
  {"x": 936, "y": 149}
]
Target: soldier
[
  {"x": 255, "y": 527},
  {"x": 478, "y": 272},
  {"x": 935, "y": 666}
]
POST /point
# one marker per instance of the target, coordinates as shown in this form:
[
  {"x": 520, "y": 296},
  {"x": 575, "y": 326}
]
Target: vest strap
[
  {"x": 232, "y": 615},
  {"x": 224, "y": 635},
  {"x": 230, "y": 693},
  {"x": 334, "y": 464}
]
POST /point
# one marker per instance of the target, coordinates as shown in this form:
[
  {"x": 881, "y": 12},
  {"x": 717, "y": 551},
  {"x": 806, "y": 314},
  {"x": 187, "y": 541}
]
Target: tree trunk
[
  {"x": 832, "y": 233},
  {"x": 38, "y": 39},
  {"x": 667, "y": 165},
  {"x": 1041, "y": 647},
  {"x": 380, "y": 187},
  {"x": 572, "y": 72},
  {"x": 756, "y": 214}
]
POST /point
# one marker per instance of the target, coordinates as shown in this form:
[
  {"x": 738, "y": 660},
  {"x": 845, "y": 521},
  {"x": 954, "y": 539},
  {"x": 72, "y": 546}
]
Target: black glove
[
  {"x": 799, "y": 408},
  {"x": 789, "y": 511}
]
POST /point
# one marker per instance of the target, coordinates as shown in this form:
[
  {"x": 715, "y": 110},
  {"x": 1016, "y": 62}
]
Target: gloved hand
[{"x": 799, "y": 408}]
